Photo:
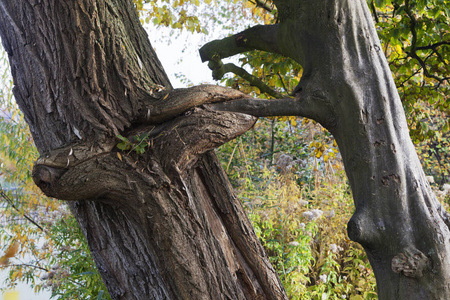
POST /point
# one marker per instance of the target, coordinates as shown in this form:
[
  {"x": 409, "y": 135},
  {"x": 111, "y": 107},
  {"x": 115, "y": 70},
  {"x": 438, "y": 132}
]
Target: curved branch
[
  {"x": 433, "y": 46},
  {"x": 178, "y": 101},
  {"x": 309, "y": 106},
  {"x": 31, "y": 220},
  {"x": 185, "y": 138},
  {"x": 259, "y": 37},
  {"x": 252, "y": 80}
]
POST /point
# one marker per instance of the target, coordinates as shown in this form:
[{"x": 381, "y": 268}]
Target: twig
[
  {"x": 282, "y": 82},
  {"x": 264, "y": 5},
  {"x": 433, "y": 46},
  {"x": 407, "y": 79},
  {"x": 414, "y": 48},
  {"x": 4, "y": 196},
  {"x": 374, "y": 11},
  {"x": 26, "y": 265},
  {"x": 253, "y": 80},
  {"x": 231, "y": 157}
]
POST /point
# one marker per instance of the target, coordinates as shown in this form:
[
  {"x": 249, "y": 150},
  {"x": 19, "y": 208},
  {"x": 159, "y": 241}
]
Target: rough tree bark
[
  {"x": 164, "y": 224},
  {"x": 347, "y": 86}
]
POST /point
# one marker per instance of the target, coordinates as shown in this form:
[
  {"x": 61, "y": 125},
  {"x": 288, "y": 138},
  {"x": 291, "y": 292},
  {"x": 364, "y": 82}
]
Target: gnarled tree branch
[
  {"x": 177, "y": 101},
  {"x": 259, "y": 37},
  {"x": 62, "y": 176}
]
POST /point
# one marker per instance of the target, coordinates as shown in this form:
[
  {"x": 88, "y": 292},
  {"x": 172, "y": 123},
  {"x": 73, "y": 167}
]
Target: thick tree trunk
[
  {"x": 347, "y": 86},
  {"x": 164, "y": 224}
]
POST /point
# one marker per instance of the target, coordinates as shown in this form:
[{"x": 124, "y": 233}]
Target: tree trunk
[
  {"x": 347, "y": 86},
  {"x": 398, "y": 219},
  {"x": 160, "y": 218}
]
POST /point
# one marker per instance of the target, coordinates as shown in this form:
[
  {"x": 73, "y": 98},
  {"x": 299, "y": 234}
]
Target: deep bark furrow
[
  {"x": 96, "y": 81},
  {"x": 244, "y": 239},
  {"x": 112, "y": 226}
]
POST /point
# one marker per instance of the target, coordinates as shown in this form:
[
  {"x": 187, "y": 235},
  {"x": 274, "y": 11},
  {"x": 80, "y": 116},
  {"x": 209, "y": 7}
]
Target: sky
[{"x": 178, "y": 54}]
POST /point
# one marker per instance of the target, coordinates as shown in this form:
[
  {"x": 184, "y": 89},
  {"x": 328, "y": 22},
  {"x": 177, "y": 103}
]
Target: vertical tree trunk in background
[
  {"x": 348, "y": 87},
  {"x": 161, "y": 225},
  {"x": 398, "y": 219}
]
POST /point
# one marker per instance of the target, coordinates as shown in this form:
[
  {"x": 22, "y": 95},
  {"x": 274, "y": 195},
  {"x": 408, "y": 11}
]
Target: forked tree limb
[{"x": 63, "y": 176}]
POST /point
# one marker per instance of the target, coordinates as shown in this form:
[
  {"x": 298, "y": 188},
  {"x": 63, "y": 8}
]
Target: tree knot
[
  {"x": 46, "y": 178},
  {"x": 50, "y": 168},
  {"x": 411, "y": 263}
]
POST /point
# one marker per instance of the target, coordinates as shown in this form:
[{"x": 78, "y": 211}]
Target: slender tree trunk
[
  {"x": 163, "y": 224},
  {"x": 347, "y": 86}
]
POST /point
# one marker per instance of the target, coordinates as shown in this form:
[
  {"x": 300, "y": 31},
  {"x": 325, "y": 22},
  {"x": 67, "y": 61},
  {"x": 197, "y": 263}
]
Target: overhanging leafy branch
[
  {"x": 219, "y": 70},
  {"x": 414, "y": 47}
]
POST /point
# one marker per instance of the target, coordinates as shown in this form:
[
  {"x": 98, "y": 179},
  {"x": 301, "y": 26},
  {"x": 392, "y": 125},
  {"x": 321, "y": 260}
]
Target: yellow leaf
[
  {"x": 119, "y": 156},
  {"x": 10, "y": 252}
]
